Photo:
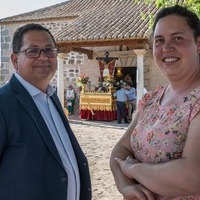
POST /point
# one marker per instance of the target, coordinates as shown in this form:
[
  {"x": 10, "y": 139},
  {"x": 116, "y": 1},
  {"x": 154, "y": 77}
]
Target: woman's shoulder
[
  {"x": 196, "y": 93},
  {"x": 193, "y": 100},
  {"x": 151, "y": 96},
  {"x": 154, "y": 93}
]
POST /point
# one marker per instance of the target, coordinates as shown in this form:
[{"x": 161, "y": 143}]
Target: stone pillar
[
  {"x": 140, "y": 72},
  {"x": 60, "y": 78}
]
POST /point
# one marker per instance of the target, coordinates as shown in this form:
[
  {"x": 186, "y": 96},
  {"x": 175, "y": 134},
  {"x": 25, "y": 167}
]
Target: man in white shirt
[
  {"x": 131, "y": 99},
  {"x": 121, "y": 104},
  {"x": 40, "y": 158}
]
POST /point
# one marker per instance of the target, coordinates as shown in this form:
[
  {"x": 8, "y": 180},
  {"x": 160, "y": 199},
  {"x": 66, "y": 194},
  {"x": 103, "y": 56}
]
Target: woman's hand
[
  {"x": 137, "y": 192},
  {"x": 127, "y": 165},
  {"x": 133, "y": 191}
]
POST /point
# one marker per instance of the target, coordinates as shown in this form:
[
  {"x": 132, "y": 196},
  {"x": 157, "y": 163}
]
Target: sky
[{"x": 14, "y": 7}]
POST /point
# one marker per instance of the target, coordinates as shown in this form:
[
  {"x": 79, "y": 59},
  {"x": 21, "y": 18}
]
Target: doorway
[{"x": 122, "y": 72}]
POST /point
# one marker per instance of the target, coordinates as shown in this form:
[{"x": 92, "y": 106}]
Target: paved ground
[{"x": 97, "y": 139}]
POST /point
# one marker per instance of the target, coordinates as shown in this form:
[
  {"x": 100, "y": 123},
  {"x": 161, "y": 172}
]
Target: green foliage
[{"x": 193, "y": 5}]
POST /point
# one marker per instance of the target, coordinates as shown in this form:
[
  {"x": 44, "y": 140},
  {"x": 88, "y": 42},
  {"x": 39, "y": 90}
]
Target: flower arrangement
[
  {"x": 83, "y": 79},
  {"x": 119, "y": 84},
  {"x": 126, "y": 81},
  {"x": 109, "y": 79}
]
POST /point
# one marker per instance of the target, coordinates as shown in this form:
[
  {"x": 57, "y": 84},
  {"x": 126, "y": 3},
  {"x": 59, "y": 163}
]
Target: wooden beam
[
  {"x": 67, "y": 49},
  {"x": 138, "y": 43},
  {"x": 129, "y": 53},
  {"x": 67, "y": 46},
  {"x": 63, "y": 49},
  {"x": 89, "y": 53},
  {"x": 115, "y": 53}
]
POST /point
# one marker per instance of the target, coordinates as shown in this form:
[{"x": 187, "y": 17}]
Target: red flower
[{"x": 83, "y": 79}]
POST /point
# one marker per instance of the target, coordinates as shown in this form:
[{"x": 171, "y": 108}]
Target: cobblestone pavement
[{"x": 97, "y": 139}]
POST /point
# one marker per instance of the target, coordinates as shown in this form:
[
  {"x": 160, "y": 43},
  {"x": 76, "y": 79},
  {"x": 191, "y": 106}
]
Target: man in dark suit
[{"x": 40, "y": 158}]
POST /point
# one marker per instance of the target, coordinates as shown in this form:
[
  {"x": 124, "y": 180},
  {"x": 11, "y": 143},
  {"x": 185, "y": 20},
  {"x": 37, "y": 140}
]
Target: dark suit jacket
[{"x": 30, "y": 166}]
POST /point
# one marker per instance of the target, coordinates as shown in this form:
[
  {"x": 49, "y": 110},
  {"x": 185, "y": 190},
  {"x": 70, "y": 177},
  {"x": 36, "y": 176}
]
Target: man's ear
[{"x": 14, "y": 59}]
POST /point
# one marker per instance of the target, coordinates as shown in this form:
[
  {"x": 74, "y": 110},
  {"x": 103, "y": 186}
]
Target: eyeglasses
[{"x": 36, "y": 52}]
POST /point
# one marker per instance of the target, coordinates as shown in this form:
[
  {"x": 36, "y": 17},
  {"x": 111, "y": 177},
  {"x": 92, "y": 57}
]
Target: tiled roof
[{"x": 95, "y": 19}]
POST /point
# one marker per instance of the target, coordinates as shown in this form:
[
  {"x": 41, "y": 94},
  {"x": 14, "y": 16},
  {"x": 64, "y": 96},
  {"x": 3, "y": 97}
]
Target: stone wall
[{"x": 7, "y": 31}]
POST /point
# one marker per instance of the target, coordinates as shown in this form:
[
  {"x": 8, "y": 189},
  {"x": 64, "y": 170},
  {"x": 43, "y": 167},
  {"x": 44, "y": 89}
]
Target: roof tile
[{"x": 94, "y": 19}]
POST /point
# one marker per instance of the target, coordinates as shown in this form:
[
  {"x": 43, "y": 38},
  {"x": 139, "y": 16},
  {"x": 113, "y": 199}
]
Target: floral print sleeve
[{"x": 195, "y": 103}]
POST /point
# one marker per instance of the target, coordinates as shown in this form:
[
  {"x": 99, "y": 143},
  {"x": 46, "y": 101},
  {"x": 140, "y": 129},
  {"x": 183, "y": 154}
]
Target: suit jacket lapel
[
  {"x": 27, "y": 102},
  {"x": 77, "y": 149}
]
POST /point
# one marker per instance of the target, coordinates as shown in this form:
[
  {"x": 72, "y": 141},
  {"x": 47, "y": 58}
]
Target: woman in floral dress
[{"x": 158, "y": 157}]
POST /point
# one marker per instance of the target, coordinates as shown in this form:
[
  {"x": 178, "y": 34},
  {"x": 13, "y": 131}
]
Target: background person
[
  {"x": 70, "y": 96},
  {"x": 121, "y": 104},
  {"x": 131, "y": 100},
  {"x": 40, "y": 157},
  {"x": 158, "y": 156}
]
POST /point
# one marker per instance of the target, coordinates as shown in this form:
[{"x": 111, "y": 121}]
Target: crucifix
[{"x": 106, "y": 65}]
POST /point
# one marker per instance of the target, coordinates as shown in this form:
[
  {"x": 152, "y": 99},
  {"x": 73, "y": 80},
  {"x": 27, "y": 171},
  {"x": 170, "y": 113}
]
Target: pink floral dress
[{"x": 161, "y": 132}]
